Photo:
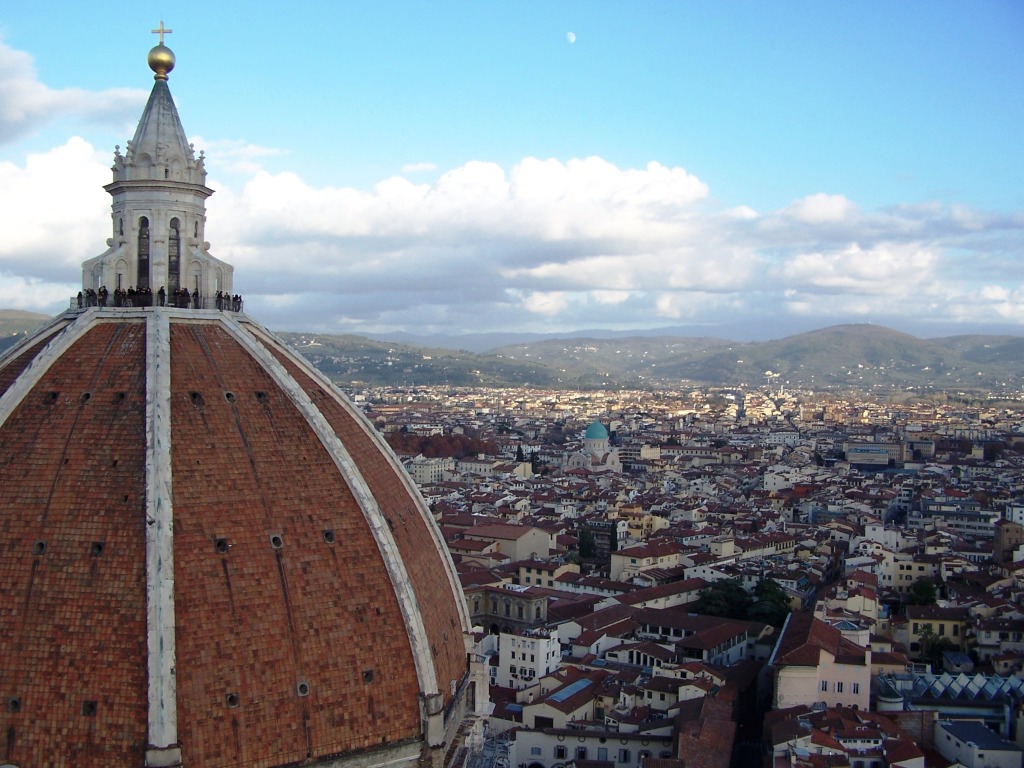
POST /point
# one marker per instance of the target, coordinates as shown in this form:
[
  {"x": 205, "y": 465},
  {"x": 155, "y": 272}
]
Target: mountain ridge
[{"x": 846, "y": 356}]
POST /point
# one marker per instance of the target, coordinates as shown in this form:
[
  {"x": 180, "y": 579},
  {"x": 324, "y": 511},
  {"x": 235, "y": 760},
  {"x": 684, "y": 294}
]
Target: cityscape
[
  {"x": 597, "y": 535},
  {"x": 345, "y": 493}
]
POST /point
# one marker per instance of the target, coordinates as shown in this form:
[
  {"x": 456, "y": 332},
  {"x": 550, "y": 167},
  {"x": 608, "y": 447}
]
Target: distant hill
[
  {"x": 15, "y": 323},
  {"x": 357, "y": 360},
  {"x": 841, "y": 357}
]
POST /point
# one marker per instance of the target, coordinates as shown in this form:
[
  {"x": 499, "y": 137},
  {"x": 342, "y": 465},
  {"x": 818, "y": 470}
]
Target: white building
[
  {"x": 526, "y": 656},
  {"x": 973, "y": 745},
  {"x": 550, "y": 747}
]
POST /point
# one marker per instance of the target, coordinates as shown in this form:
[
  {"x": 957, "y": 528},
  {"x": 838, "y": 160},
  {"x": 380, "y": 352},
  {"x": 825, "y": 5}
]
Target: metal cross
[{"x": 161, "y": 31}]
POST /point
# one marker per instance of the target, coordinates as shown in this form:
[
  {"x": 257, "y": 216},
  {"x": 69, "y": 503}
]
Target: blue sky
[{"x": 744, "y": 169}]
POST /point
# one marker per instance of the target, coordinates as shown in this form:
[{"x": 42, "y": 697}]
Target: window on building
[
  {"x": 142, "y": 252},
  {"x": 581, "y": 753},
  {"x": 824, "y": 685},
  {"x": 534, "y": 750},
  {"x": 839, "y": 687},
  {"x": 560, "y": 753},
  {"x": 856, "y": 688},
  {"x": 174, "y": 256}
]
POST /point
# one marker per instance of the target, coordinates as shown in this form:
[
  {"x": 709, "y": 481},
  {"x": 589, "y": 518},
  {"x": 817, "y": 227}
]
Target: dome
[
  {"x": 191, "y": 512},
  {"x": 596, "y": 431},
  {"x": 208, "y": 555}
]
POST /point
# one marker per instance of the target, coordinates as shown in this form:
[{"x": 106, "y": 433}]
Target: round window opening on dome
[
  {"x": 119, "y": 396},
  {"x": 14, "y": 705},
  {"x": 302, "y": 688},
  {"x": 89, "y": 708},
  {"x": 196, "y": 397},
  {"x": 39, "y": 548},
  {"x": 367, "y": 676},
  {"x": 329, "y": 536},
  {"x": 276, "y": 540},
  {"x": 229, "y": 396},
  {"x": 97, "y": 548},
  {"x": 86, "y": 396},
  {"x": 220, "y": 546},
  {"x": 232, "y": 700}
]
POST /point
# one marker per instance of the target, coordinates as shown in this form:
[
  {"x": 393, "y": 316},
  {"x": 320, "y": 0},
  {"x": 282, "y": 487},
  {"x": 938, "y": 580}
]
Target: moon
[{"x": 571, "y": 37}]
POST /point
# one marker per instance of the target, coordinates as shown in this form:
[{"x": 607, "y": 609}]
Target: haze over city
[{"x": 748, "y": 170}]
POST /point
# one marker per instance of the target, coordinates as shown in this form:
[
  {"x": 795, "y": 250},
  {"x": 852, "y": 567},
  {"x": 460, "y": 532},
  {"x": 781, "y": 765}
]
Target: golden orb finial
[
  {"x": 161, "y": 58},
  {"x": 161, "y": 61}
]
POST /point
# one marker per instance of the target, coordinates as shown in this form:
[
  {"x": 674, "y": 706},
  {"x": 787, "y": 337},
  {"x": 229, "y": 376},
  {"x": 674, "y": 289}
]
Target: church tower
[{"x": 159, "y": 207}]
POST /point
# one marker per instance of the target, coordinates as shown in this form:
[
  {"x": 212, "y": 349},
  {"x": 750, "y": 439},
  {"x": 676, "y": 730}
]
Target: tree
[
  {"x": 725, "y": 598},
  {"x": 588, "y": 547},
  {"x": 519, "y": 454},
  {"x": 771, "y": 603},
  {"x": 922, "y": 592}
]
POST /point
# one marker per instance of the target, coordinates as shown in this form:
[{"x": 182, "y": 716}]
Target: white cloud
[
  {"x": 885, "y": 269},
  {"x": 820, "y": 209},
  {"x": 59, "y": 213},
  {"x": 418, "y": 167},
  {"x": 26, "y": 104},
  {"x": 548, "y": 303},
  {"x": 546, "y": 244},
  {"x": 234, "y": 155}
]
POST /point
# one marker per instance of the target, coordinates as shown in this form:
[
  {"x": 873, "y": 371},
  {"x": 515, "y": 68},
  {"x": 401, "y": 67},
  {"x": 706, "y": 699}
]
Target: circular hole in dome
[
  {"x": 14, "y": 705},
  {"x": 262, "y": 397},
  {"x": 119, "y": 396},
  {"x": 367, "y": 676},
  {"x": 89, "y": 708},
  {"x": 220, "y": 546},
  {"x": 229, "y": 396},
  {"x": 302, "y": 688},
  {"x": 51, "y": 397},
  {"x": 39, "y": 548},
  {"x": 86, "y": 396},
  {"x": 196, "y": 398},
  {"x": 232, "y": 700},
  {"x": 329, "y": 536},
  {"x": 276, "y": 541},
  {"x": 96, "y": 549}
]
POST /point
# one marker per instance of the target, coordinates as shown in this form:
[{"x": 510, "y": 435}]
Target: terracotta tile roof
[{"x": 804, "y": 638}]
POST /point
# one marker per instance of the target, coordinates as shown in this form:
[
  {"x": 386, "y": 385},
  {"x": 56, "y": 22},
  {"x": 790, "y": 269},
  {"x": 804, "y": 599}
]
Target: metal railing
[{"x": 135, "y": 301}]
